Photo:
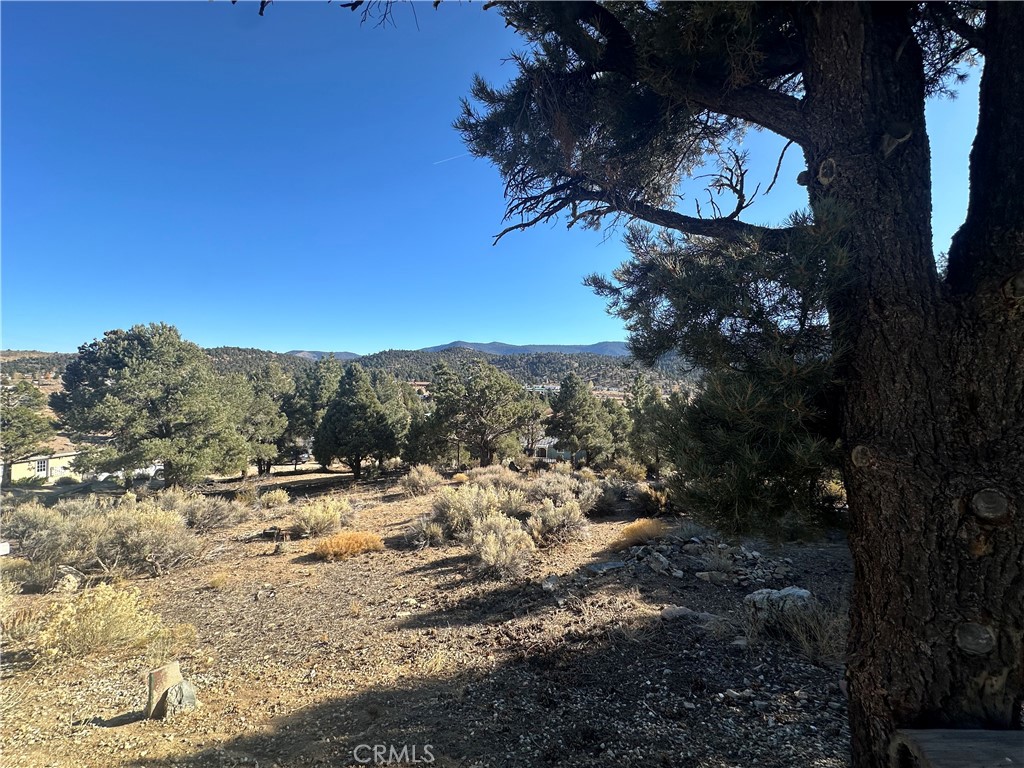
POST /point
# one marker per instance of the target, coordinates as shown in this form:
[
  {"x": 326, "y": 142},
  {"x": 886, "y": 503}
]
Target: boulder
[{"x": 770, "y": 607}]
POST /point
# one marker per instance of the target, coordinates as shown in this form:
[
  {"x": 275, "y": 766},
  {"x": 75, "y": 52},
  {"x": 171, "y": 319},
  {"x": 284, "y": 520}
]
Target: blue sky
[{"x": 293, "y": 182}]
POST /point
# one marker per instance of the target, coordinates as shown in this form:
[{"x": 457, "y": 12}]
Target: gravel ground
[{"x": 298, "y": 662}]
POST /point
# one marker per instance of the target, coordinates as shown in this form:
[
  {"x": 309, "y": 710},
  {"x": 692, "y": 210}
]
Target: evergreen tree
[
  {"x": 353, "y": 424},
  {"x": 145, "y": 395},
  {"x": 647, "y": 410},
  {"x": 479, "y": 411},
  {"x": 395, "y": 404},
  {"x": 615, "y": 102},
  {"x": 314, "y": 390},
  {"x": 578, "y": 421},
  {"x": 24, "y": 426},
  {"x": 262, "y": 420},
  {"x": 619, "y": 425}
]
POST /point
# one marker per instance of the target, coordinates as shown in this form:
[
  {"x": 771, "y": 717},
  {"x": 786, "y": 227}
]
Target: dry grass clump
[
  {"x": 424, "y": 531},
  {"x": 247, "y": 496},
  {"x": 819, "y": 630},
  {"x": 460, "y": 477},
  {"x": 648, "y": 500},
  {"x": 562, "y": 468},
  {"x": 101, "y": 536},
  {"x": 495, "y": 476},
  {"x": 628, "y": 470},
  {"x": 512, "y": 502},
  {"x": 560, "y": 488},
  {"x": 100, "y": 619},
  {"x": 455, "y": 509},
  {"x": 557, "y": 525},
  {"x": 347, "y": 544},
  {"x": 500, "y": 545},
  {"x": 420, "y": 480},
  {"x": 322, "y": 515},
  {"x": 278, "y": 497},
  {"x": 640, "y": 532}
]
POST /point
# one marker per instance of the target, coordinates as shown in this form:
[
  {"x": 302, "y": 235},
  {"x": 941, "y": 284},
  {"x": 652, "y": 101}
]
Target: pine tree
[
  {"x": 24, "y": 425},
  {"x": 145, "y": 395},
  {"x": 354, "y": 423},
  {"x": 923, "y": 382},
  {"x": 395, "y": 404},
  {"x": 647, "y": 410},
  {"x": 577, "y": 420},
  {"x": 480, "y": 411}
]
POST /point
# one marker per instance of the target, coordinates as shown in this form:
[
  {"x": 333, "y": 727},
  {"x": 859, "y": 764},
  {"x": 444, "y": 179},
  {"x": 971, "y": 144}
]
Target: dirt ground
[{"x": 407, "y": 657}]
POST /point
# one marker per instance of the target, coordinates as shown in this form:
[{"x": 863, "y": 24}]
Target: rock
[
  {"x": 550, "y": 583},
  {"x": 682, "y": 612},
  {"x": 658, "y": 562},
  {"x": 771, "y": 606},
  {"x": 610, "y": 565},
  {"x": 677, "y": 574},
  {"x": 67, "y": 584},
  {"x": 179, "y": 698},
  {"x": 161, "y": 680},
  {"x": 715, "y": 577}
]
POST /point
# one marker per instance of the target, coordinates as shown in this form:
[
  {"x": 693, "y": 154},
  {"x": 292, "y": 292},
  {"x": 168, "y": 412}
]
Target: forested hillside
[{"x": 408, "y": 365}]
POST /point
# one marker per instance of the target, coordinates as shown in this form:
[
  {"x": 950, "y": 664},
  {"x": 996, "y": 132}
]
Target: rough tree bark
[{"x": 933, "y": 370}]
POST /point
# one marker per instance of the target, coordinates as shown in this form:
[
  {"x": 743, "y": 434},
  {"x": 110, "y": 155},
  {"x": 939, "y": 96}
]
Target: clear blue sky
[{"x": 293, "y": 182}]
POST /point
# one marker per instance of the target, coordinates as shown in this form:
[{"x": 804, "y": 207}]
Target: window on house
[{"x": 41, "y": 466}]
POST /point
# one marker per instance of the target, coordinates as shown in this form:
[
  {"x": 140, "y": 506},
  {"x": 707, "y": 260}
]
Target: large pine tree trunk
[{"x": 933, "y": 412}]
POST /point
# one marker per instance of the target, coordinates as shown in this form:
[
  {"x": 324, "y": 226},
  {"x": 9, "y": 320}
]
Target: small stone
[
  {"x": 180, "y": 698},
  {"x": 714, "y": 577},
  {"x": 549, "y": 584},
  {"x": 610, "y": 565},
  {"x": 658, "y": 562}
]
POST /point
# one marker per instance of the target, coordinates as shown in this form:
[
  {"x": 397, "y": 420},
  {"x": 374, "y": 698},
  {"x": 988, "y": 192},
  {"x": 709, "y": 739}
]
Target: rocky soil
[{"x": 597, "y": 658}]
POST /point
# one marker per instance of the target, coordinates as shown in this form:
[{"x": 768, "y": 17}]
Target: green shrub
[
  {"x": 455, "y": 509},
  {"x": 66, "y": 480},
  {"x": 425, "y": 531},
  {"x": 557, "y": 525},
  {"x": 98, "y": 536},
  {"x": 512, "y": 502},
  {"x": 321, "y": 516},
  {"x": 500, "y": 545},
  {"x": 560, "y": 488},
  {"x": 495, "y": 476},
  {"x": 420, "y": 480}
]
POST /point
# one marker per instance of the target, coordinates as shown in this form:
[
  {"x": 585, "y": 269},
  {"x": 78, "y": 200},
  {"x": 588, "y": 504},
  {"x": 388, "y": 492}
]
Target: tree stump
[{"x": 947, "y": 748}]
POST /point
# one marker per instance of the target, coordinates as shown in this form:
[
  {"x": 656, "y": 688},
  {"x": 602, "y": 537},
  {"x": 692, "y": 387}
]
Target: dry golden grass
[
  {"x": 347, "y": 544},
  {"x": 219, "y": 580},
  {"x": 640, "y": 532},
  {"x": 460, "y": 477}
]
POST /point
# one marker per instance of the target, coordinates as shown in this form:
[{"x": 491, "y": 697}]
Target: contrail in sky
[{"x": 447, "y": 159}]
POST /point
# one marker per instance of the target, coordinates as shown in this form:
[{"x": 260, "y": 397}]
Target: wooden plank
[{"x": 947, "y": 748}]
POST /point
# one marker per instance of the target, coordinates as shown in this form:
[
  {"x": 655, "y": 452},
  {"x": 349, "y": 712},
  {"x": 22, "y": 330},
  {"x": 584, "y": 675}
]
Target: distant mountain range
[
  {"x": 312, "y": 355},
  {"x": 606, "y": 348},
  {"x": 605, "y": 365}
]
